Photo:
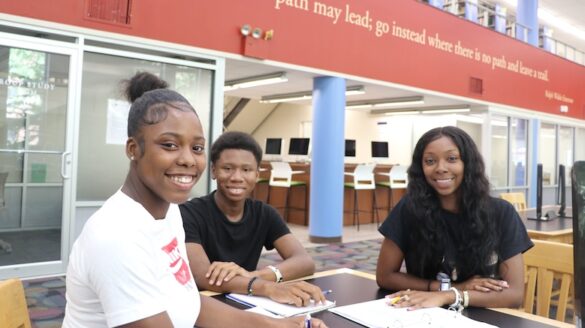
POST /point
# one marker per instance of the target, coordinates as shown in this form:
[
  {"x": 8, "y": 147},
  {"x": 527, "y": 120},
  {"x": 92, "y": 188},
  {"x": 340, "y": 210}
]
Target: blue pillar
[
  {"x": 527, "y": 17},
  {"x": 471, "y": 10},
  {"x": 500, "y": 18},
  {"x": 326, "y": 213},
  {"x": 533, "y": 160}
]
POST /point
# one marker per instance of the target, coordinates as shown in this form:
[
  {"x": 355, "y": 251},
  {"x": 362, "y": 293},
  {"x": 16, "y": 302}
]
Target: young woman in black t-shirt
[{"x": 447, "y": 226}]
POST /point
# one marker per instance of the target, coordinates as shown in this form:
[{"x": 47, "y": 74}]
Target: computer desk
[
  {"x": 350, "y": 286},
  {"x": 558, "y": 229},
  {"x": 298, "y": 196}
]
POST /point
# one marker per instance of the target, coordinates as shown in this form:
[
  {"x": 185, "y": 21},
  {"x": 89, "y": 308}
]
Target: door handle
[{"x": 65, "y": 161}]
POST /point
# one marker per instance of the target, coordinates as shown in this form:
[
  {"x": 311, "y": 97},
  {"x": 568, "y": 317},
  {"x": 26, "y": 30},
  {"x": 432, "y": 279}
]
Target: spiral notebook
[
  {"x": 280, "y": 309},
  {"x": 377, "y": 314}
]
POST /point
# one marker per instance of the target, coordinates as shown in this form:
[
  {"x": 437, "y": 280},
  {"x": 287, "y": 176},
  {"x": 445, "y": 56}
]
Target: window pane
[
  {"x": 546, "y": 153},
  {"x": 499, "y": 176},
  {"x": 566, "y": 151},
  {"x": 104, "y": 113},
  {"x": 580, "y": 145},
  {"x": 518, "y": 146}
]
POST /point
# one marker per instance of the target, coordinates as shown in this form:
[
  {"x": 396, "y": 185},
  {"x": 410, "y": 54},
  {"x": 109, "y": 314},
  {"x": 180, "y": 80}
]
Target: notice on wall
[{"x": 117, "y": 122}]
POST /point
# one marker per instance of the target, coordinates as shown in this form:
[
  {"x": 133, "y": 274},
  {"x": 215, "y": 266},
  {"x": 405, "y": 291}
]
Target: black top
[
  {"x": 225, "y": 241},
  {"x": 513, "y": 238}
]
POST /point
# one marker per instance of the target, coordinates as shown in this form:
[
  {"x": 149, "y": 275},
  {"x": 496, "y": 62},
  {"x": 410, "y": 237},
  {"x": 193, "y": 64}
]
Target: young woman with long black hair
[{"x": 448, "y": 228}]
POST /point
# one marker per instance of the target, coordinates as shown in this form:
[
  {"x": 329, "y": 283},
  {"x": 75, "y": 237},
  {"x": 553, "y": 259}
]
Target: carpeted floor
[{"x": 46, "y": 297}]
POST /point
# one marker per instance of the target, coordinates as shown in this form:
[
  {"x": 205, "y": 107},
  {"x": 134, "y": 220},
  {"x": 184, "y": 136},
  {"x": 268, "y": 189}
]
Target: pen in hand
[
  {"x": 325, "y": 292},
  {"x": 308, "y": 320}
]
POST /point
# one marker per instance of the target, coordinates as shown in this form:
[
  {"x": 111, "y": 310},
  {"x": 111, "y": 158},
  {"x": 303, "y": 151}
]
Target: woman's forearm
[{"x": 400, "y": 281}]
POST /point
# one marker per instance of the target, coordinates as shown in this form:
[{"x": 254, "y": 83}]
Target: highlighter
[{"x": 394, "y": 300}]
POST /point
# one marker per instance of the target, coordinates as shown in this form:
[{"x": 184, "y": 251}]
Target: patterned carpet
[{"x": 46, "y": 297}]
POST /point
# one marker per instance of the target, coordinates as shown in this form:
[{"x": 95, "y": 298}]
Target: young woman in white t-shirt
[{"x": 129, "y": 268}]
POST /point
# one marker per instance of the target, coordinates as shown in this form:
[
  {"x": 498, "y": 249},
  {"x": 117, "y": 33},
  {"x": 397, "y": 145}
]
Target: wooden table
[
  {"x": 350, "y": 286},
  {"x": 559, "y": 229}
]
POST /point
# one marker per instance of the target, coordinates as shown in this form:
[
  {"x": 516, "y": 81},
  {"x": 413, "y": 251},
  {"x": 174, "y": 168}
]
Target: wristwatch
[
  {"x": 445, "y": 284},
  {"x": 277, "y": 273}
]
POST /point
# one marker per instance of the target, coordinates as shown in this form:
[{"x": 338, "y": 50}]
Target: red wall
[{"x": 304, "y": 37}]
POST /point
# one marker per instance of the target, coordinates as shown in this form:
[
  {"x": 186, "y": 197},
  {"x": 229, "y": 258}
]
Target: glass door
[{"x": 35, "y": 157}]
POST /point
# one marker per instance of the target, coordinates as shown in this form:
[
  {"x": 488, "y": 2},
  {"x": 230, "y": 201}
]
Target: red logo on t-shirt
[{"x": 177, "y": 264}]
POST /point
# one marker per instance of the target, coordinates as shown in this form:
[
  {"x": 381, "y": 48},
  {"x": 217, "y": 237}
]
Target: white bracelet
[
  {"x": 465, "y": 298},
  {"x": 457, "y": 298},
  {"x": 277, "y": 273}
]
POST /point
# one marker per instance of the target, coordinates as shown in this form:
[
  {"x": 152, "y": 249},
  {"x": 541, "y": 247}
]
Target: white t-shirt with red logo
[{"x": 126, "y": 266}]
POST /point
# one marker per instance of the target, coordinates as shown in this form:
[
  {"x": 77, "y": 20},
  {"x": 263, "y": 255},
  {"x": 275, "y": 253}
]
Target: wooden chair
[
  {"x": 13, "y": 308},
  {"x": 545, "y": 260},
  {"x": 515, "y": 198}
]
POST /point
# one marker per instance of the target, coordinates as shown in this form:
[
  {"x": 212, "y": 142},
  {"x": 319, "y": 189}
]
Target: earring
[{"x": 131, "y": 158}]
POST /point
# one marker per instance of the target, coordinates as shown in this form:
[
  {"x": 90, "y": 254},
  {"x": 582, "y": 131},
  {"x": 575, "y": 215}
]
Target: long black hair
[{"x": 477, "y": 233}]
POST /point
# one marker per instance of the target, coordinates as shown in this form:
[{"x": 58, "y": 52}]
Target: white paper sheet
[{"x": 377, "y": 314}]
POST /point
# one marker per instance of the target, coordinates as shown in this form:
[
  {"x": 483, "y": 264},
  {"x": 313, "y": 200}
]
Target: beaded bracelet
[{"x": 250, "y": 290}]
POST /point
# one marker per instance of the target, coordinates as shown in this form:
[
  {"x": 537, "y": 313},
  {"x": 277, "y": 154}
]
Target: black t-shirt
[
  {"x": 239, "y": 242},
  {"x": 513, "y": 238}
]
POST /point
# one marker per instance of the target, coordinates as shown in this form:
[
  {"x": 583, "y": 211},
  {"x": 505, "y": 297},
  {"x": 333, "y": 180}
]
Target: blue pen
[
  {"x": 328, "y": 291},
  {"x": 308, "y": 320}
]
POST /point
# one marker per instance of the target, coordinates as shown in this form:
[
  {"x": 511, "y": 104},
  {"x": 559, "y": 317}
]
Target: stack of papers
[
  {"x": 276, "y": 308},
  {"x": 377, "y": 314}
]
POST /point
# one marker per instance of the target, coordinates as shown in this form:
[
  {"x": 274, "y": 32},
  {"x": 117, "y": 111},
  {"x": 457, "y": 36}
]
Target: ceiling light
[
  {"x": 424, "y": 110},
  {"x": 284, "y": 97},
  {"x": 358, "y": 106},
  {"x": 355, "y": 90},
  {"x": 404, "y": 101},
  {"x": 254, "y": 81},
  {"x": 403, "y": 112},
  {"x": 386, "y": 102},
  {"x": 245, "y": 29},
  {"x": 305, "y": 95},
  {"x": 446, "y": 110},
  {"x": 257, "y": 33}
]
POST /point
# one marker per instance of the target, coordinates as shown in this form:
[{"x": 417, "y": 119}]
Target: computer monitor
[
  {"x": 578, "y": 205},
  {"x": 273, "y": 146},
  {"x": 380, "y": 149},
  {"x": 349, "y": 147},
  {"x": 562, "y": 193},
  {"x": 298, "y": 146},
  {"x": 539, "y": 216}
]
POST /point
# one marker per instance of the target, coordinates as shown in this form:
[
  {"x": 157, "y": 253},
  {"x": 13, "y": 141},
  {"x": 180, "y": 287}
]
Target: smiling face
[
  {"x": 169, "y": 159},
  {"x": 443, "y": 170},
  {"x": 236, "y": 172}
]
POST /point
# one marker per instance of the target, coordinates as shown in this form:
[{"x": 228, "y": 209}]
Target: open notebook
[
  {"x": 271, "y": 306},
  {"x": 377, "y": 314}
]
